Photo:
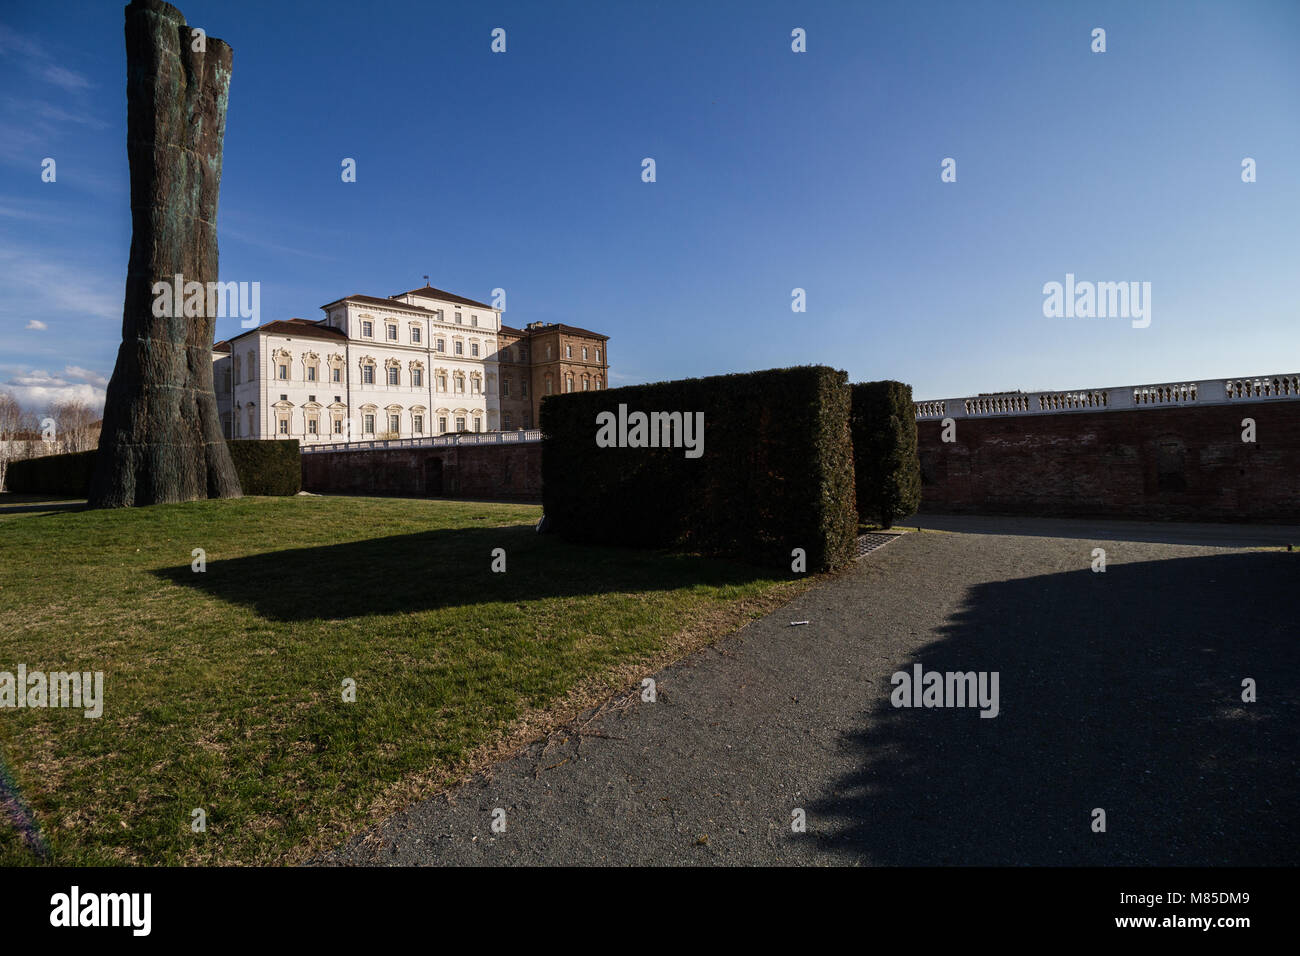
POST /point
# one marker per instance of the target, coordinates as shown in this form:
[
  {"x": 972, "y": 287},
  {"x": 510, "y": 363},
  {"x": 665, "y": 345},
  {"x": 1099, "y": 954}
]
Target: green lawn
[{"x": 223, "y": 690}]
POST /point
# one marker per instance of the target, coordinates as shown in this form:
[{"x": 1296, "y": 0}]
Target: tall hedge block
[
  {"x": 774, "y": 472},
  {"x": 884, "y": 451}
]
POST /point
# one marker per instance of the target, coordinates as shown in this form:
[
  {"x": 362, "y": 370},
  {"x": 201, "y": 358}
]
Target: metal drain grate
[{"x": 871, "y": 541}]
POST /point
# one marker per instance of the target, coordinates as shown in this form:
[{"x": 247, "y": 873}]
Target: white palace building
[{"x": 421, "y": 363}]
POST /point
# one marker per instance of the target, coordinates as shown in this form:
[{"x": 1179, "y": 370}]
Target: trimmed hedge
[
  {"x": 776, "y": 472},
  {"x": 267, "y": 467},
  {"x": 883, "y": 424},
  {"x": 264, "y": 467},
  {"x": 51, "y": 475}
]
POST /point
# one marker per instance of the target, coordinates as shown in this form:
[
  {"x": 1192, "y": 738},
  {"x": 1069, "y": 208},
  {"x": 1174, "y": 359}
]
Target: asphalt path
[{"x": 1118, "y": 691}]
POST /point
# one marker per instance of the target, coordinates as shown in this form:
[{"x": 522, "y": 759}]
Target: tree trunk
[{"x": 162, "y": 438}]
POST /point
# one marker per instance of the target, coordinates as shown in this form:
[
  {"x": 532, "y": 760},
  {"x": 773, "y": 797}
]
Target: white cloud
[
  {"x": 37, "y": 388},
  {"x": 51, "y": 283},
  {"x": 85, "y": 375},
  {"x": 39, "y": 60},
  {"x": 67, "y": 79},
  {"x": 36, "y": 325}
]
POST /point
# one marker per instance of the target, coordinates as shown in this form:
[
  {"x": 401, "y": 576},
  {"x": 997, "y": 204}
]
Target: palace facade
[{"x": 417, "y": 364}]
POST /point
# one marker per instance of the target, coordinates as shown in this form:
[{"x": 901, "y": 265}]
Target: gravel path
[{"x": 1119, "y": 691}]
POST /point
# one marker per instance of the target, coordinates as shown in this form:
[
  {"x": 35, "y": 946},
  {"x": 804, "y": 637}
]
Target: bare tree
[
  {"x": 11, "y": 426},
  {"x": 76, "y": 425}
]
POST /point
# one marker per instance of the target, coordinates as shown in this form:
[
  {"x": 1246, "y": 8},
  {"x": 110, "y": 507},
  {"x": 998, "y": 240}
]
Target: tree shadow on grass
[
  {"x": 1120, "y": 691},
  {"x": 444, "y": 568}
]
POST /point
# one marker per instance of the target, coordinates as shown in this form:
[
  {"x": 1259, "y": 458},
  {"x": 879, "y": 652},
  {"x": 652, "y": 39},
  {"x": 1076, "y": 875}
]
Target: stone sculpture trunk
[{"x": 162, "y": 438}]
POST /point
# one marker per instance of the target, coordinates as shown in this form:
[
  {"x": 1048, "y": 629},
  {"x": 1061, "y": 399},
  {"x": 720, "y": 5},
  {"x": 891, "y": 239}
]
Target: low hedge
[
  {"x": 888, "y": 472},
  {"x": 267, "y": 467},
  {"x": 67, "y": 474},
  {"x": 775, "y": 472},
  {"x": 264, "y": 468}
]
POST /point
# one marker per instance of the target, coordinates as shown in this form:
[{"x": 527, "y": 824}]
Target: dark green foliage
[
  {"x": 264, "y": 468},
  {"x": 888, "y": 471},
  {"x": 51, "y": 475},
  {"x": 776, "y": 472},
  {"x": 268, "y": 467}
]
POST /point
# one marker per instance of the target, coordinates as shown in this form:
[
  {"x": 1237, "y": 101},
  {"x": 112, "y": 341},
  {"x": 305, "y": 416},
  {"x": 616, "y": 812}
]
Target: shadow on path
[{"x": 1119, "y": 690}]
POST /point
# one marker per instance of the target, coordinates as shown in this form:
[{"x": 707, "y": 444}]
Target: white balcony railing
[
  {"x": 440, "y": 441},
  {"x": 1217, "y": 391}
]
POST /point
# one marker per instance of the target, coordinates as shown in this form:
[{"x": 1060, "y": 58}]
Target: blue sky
[{"x": 775, "y": 170}]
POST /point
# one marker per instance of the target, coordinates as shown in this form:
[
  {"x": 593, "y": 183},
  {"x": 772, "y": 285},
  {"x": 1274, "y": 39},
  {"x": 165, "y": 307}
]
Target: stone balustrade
[
  {"x": 438, "y": 441},
  {"x": 1124, "y": 397}
]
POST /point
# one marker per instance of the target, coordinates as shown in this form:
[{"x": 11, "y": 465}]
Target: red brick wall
[
  {"x": 467, "y": 471},
  {"x": 1175, "y": 463}
]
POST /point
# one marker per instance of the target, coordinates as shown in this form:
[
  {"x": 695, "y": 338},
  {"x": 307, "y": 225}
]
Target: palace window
[
  {"x": 460, "y": 423},
  {"x": 394, "y": 423},
  {"x": 336, "y": 375},
  {"x": 338, "y": 426},
  {"x": 505, "y": 419},
  {"x": 392, "y": 333},
  {"x": 568, "y": 351},
  {"x": 478, "y": 424},
  {"x": 311, "y": 426},
  {"x": 284, "y": 426},
  {"x": 473, "y": 349},
  {"x": 368, "y": 374},
  {"x": 367, "y": 329},
  {"x": 473, "y": 320},
  {"x": 415, "y": 333},
  {"x": 368, "y": 423},
  {"x": 392, "y": 375},
  {"x": 597, "y": 355},
  {"x": 523, "y": 388},
  {"x": 584, "y": 353},
  {"x": 417, "y": 377},
  {"x": 282, "y": 372},
  {"x": 459, "y": 320},
  {"x": 505, "y": 387},
  {"x": 474, "y": 386},
  {"x": 568, "y": 383},
  {"x": 440, "y": 345},
  {"x": 311, "y": 373},
  {"x": 460, "y": 348},
  {"x": 442, "y": 424},
  {"x": 442, "y": 383},
  {"x": 417, "y": 423}
]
